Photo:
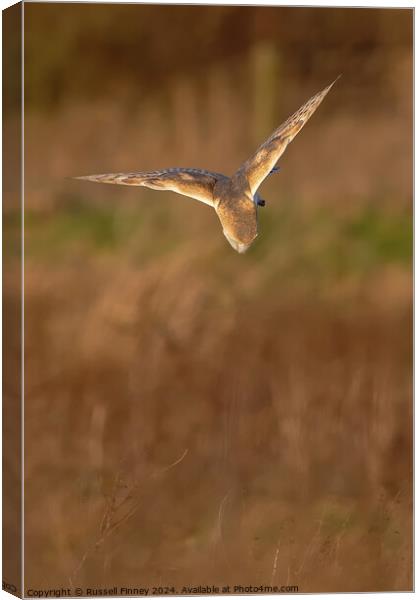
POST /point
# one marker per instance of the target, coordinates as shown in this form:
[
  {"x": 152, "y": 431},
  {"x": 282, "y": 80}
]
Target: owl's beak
[{"x": 238, "y": 246}]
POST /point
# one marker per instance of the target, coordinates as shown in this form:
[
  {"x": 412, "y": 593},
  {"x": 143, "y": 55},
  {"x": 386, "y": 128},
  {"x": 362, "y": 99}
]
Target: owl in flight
[{"x": 235, "y": 199}]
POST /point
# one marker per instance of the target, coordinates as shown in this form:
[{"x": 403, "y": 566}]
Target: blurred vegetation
[
  {"x": 370, "y": 238},
  {"x": 256, "y": 409},
  {"x": 91, "y": 51}
]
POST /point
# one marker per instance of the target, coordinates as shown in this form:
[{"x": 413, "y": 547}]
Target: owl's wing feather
[
  {"x": 262, "y": 162},
  {"x": 196, "y": 183}
]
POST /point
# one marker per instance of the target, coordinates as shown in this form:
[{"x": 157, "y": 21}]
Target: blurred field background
[{"x": 194, "y": 416}]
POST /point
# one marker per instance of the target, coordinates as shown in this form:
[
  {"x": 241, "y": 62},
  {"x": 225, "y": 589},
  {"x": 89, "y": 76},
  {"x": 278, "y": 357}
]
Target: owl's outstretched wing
[
  {"x": 196, "y": 183},
  {"x": 262, "y": 162}
]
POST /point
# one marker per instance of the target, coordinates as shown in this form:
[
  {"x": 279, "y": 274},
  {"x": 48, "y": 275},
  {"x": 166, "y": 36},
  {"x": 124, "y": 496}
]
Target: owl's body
[
  {"x": 235, "y": 199},
  {"x": 237, "y": 211}
]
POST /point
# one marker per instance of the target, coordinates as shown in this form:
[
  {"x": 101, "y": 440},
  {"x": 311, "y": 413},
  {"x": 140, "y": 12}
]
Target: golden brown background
[{"x": 194, "y": 416}]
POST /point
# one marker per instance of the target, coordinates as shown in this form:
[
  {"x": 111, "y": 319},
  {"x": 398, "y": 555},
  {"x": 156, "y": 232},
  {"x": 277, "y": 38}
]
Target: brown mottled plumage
[{"x": 235, "y": 198}]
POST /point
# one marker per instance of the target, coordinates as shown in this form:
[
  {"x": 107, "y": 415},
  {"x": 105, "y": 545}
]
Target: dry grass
[{"x": 292, "y": 418}]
